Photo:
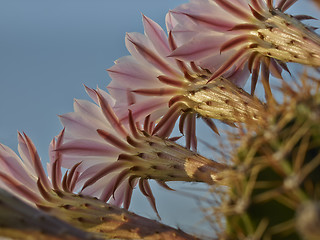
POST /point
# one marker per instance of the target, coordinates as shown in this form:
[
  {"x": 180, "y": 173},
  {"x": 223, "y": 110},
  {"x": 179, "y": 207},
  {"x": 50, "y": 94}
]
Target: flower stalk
[
  {"x": 284, "y": 37},
  {"x": 221, "y": 99}
]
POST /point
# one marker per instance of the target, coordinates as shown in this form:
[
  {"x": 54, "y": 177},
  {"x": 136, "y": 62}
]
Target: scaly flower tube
[
  {"x": 254, "y": 31},
  {"x": 115, "y": 157},
  {"x": 150, "y": 83},
  {"x": 18, "y": 220},
  {"x": 25, "y": 178}
]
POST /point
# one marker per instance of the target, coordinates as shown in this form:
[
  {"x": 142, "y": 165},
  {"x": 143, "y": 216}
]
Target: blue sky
[{"x": 49, "y": 49}]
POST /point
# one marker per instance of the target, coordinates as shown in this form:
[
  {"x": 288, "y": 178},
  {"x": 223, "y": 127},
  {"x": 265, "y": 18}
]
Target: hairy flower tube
[
  {"x": 57, "y": 195},
  {"x": 256, "y": 32},
  {"x": 115, "y": 157},
  {"x": 150, "y": 83}
]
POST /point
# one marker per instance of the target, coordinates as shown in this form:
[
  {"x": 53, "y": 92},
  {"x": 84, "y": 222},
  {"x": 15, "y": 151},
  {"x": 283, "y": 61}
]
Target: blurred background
[{"x": 49, "y": 49}]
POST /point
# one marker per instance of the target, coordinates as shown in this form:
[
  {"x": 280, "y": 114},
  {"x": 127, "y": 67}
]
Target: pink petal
[
  {"x": 37, "y": 163},
  {"x": 128, "y": 72},
  {"x": 201, "y": 12},
  {"x": 140, "y": 47},
  {"x": 140, "y": 110},
  {"x": 200, "y": 47},
  {"x": 84, "y": 147},
  {"x": 110, "y": 115},
  {"x": 19, "y": 188},
  {"x": 234, "y": 9},
  {"x": 239, "y": 76},
  {"x": 170, "y": 21},
  {"x": 213, "y": 62},
  {"x": 68, "y": 161},
  {"x": 12, "y": 165},
  {"x": 77, "y": 127},
  {"x": 157, "y": 36},
  {"x": 86, "y": 108},
  {"x": 24, "y": 153}
]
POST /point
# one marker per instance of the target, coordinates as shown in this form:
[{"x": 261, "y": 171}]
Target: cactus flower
[
  {"x": 115, "y": 157},
  {"x": 25, "y": 178},
  {"x": 256, "y": 32},
  {"x": 150, "y": 83}
]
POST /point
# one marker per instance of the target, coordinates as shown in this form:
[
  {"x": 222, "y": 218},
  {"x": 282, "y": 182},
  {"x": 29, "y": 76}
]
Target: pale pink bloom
[
  {"x": 25, "y": 176},
  {"x": 150, "y": 83},
  {"x": 255, "y": 32},
  {"x": 59, "y": 196},
  {"x": 115, "y": 157}
]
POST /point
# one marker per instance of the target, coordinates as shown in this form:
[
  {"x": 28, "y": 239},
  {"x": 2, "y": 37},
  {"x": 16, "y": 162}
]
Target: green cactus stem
[{"x": 276, "y": 171}]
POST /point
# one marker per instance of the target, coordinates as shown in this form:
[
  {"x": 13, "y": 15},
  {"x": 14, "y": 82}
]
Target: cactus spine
[{"x": 277, "y": 173}]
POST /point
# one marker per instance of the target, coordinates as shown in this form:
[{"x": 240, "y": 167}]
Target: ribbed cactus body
[{"x": 276, "y": 173}]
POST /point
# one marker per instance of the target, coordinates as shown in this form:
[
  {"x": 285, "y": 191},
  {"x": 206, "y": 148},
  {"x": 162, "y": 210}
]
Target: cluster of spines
[{"x": 276, "y": 172}]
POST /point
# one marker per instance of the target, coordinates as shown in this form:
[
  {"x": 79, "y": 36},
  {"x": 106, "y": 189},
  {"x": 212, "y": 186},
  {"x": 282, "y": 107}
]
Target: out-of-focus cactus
[{"x": 275, "y": 181}]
